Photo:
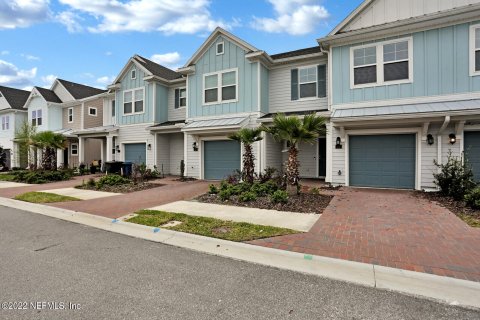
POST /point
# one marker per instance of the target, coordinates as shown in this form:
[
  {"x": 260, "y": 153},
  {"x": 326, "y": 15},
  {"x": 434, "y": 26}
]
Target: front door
[
  {"x": 322, "y": 157},
  {"x": 65, "y": 158}
]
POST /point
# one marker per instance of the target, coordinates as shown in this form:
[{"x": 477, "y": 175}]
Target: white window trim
[
  {"x": 133, "y": 102},
  {"x": 223, "y": 48},
  {"x": 68, "y": 115},
  {"x": 131, "y": 74},
  {"x": 472, "y": 50},
  {"x": 186, "y": 98},
  {"x": 219, "y": 87},
  {"x": 71, "y": 150},
  {"x": 92, "y": 108},
  {"x": 37, "y": 117},
  {"x": 380, "y": 64},
  {"x": 5, "y": 122},
  {"x": 316, "y": 83}
]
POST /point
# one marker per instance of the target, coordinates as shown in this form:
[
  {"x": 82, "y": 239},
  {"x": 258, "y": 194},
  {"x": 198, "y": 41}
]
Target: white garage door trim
[
  {"x": 418, "y": 137},
  {"x": 200, "y": 152}
]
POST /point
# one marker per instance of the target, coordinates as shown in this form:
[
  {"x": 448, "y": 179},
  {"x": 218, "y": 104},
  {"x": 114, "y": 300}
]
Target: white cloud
[
  {"x": 70, "y": 20},
  {"x": 170, "y": 60},
  {"x": 10, "y": 75},
  {"x": 167, "y": 16},
  {"x": 105, "y": 80},
  {"x": 48, "y": 80},
  {"x": 30, "y": 57},
  {"x": 295, "y": 17},
  {"x": 108, "y": 53},
  {"x": 5, "y": 52},
  {"x": 23, "y": 13}
]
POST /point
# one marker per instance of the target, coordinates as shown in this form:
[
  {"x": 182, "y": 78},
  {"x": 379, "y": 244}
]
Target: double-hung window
[
  {"x": 74, "y": 149},
  {"x": 382, "y": 63},
  {"x": 133, "y": 101},
  {"x": 475, "y": 50},
  {"x": 220, "y": 87},
  {"x": 307, "y": 82},
  {"x": 180, "y": 98},
  {"x": 5, "y": 122},
  {"x": 37, "y": 118},
  {"x": 70, "y": 115}
]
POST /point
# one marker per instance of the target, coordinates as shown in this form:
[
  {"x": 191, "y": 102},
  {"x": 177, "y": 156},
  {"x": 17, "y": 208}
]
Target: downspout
[{"x": 445, "y": 124}]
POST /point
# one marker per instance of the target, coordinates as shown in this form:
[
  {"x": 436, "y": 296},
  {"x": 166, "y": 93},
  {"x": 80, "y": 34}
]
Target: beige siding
[
  {"x": 77, "y": 118},
  {"x": 280, "y": 90},
  {"x": 93, "y": 121},
  {"x": 175, "y": 114}
]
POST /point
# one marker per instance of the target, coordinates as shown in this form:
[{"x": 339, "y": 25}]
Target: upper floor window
[
  {"x": 133, "y": 74},
  {"x": 475, "y": 50},
  {"x": 92, "y": 111},
  {"x": 309, "y": 82},
  {"x": 220, "y": 48},
  {"x": 220, "y": 87},
  {"x": 180, "y": 98},
  {"x": 381, "y": 63},
  {"x": 113, "y": 108},
  {"x": 70, "y": 115},
  {"x": 133, "y": 101},
  {"x": 37, "y": 117},
  {"x": 5, "y": 122}
]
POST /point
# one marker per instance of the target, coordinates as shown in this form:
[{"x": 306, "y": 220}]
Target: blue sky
[{"x": 90, "y": 41}]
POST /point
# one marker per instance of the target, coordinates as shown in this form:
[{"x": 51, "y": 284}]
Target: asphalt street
[{"x": 52, "y": 269}]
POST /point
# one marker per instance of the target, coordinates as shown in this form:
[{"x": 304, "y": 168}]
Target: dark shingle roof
[
  {"x": 80, "y": 91},
  {"x": 156, "y": 69},
  {"x": 48, "y": 95},
  {"x": 15, "y": 97},
  {"x": 295, "y": 53}
]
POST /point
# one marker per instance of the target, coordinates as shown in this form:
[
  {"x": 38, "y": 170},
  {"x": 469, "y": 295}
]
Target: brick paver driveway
[{"x": 390, "y": 228}]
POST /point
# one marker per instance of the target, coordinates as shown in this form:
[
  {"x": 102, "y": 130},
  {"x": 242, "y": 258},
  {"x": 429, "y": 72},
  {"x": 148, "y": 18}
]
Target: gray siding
[
  {"x": 273, "y": 153},
  {"x": 307, "y": 156},
  {"x": 175, "y": 114},
  {"x": 135, "y": 134},
  {"x": 176, "y": 152},
  {"x": 192, "y": 165}
]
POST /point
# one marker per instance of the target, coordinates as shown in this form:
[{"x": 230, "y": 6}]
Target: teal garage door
[
  {"x": 221, "y": 158},
  {"x": 382, "y": 161},
  {"x": 136, "y": 153},
  {"x": 472, "y": 151}
]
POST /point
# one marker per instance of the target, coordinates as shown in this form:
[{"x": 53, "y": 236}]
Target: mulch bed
[
  {"x": 457, "y": 207},
  {"x": 124, "y": 188},
  {"x": 304, "y": 202}
]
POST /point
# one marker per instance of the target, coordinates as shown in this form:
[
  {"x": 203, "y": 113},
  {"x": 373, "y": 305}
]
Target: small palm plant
[
  {"x": 248, "y": 136},
  {"x": 294, "y": 131},
  {"x": 49, "y": 142},
  {"x": 23, "y": 137}
]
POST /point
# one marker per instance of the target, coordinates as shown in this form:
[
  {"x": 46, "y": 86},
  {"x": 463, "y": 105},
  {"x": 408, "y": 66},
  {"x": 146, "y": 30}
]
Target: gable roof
[
  {"x": 213, "y": 36},
  {"x": 48, "y": 95},
  {"x": 296, "y": 53},
  {"x": 16, "y": 98},
  {"x": 350, "y": 17},
  {"x": 79, "y": 91},
  {"x": 157, "y": 69}
]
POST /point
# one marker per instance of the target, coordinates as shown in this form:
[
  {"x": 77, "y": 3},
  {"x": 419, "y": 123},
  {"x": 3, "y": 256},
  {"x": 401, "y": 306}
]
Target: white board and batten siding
[
  {"x": 136, "y": 134},
  {"x": 280, "y": 99},
  {"x": 176, "y": 152},
  {"x": 385, "y": 11},
  {"x": 179, "y": 113}
]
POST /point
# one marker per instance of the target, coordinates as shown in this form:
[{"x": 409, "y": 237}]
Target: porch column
[
  {"x": 81, "y": 150},
  {"x": 109, "y": 147},
  {"x": 15, "y": 160},
  {"x": 39, "y": 152},
  {"x": 60, "y": 160}
]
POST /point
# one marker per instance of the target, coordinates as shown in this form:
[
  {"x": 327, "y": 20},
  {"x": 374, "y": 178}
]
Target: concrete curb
[{"x": 444, "y": 289}]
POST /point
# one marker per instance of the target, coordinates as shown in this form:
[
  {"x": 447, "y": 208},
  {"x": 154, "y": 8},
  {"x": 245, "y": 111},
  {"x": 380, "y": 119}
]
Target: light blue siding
[
  {"x": 264, "y": 88},
  {"x": 161, "y": 108},
  {"x": 233, "y": 57},
  {"x": 440, "y": 66},
  {"x": 126, "y": 84}
]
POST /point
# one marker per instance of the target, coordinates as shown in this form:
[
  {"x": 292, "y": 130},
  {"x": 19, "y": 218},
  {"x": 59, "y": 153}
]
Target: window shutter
[
  {"x": 177, "y": 98},
  {"x": 322, "y": 81},
  {"x": 294, "y": 84}
]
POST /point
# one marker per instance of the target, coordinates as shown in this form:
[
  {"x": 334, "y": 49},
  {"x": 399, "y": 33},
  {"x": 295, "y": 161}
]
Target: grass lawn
[
  {"x": 6, "y": 177},
  {"x": 209, "y": 227},
  {"x": 44, "y": 197},
  {"x": 468, "y": 219}
]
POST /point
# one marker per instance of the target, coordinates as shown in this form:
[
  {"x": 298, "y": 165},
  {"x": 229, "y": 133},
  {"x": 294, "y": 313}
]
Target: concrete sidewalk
[
  {"x": 81, "y": 193},
  {"x": 291, "y": 220}
]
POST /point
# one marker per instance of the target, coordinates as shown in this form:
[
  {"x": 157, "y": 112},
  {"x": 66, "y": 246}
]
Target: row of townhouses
[{"x": 398, "y": 81}]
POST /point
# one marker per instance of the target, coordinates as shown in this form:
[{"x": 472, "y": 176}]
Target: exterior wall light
[
  {"x": 452, "y": 138},
  {"x": 117, "y": 147},
  {"x": 149, "y": 147},
  {"x": 195, "y": 146},
  {"x": 430, "y": 139},
  {"x": 338, "y": 143}
]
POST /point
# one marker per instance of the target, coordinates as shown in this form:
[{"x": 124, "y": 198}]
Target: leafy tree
[
  {"x": 49, "y": 142},
  {"x": 248, "y": 136},
  {"x": 294, "y": 131}
]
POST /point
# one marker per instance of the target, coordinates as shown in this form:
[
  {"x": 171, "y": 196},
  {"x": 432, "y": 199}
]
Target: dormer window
[
  {"x": 133, "y": 74},
  {"x": 220, "y": 48}
]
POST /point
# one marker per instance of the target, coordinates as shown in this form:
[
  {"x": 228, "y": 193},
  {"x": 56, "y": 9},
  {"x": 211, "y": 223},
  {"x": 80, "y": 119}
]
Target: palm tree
[
  {"x": 247, "y": 136},
  {"x": 24, "y": 138},
  {"x": 49, "y": 142},
  {"x": 294, "y": 131}
]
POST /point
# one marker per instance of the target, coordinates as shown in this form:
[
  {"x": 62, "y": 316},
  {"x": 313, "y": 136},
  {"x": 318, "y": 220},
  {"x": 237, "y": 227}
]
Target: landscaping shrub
[
  {"x": 225, "y": 194},
  {"x": 40, "y": 176},
  {"x": 91, "y": 183},
  {"x": 247, "y": 196},
  {"x": 264, "y": 189},
  {"x": 279, "y": 196},
  {"x": 224, "y": 185},
  {"x": 455, "y": 178},
  {"x": 473, "y": 198},
  {"x": 267, "y": 174},
  {"x": 212, "y": 189},
  {"x": 314, "y": 190},
  {"x": 111, "y": 180}
]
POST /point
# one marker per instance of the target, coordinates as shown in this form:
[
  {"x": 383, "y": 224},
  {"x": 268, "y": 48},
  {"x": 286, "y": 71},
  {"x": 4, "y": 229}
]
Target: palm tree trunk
[
  {"x": 292, "y": 170},
  {"x": 248, "y": 163}
]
